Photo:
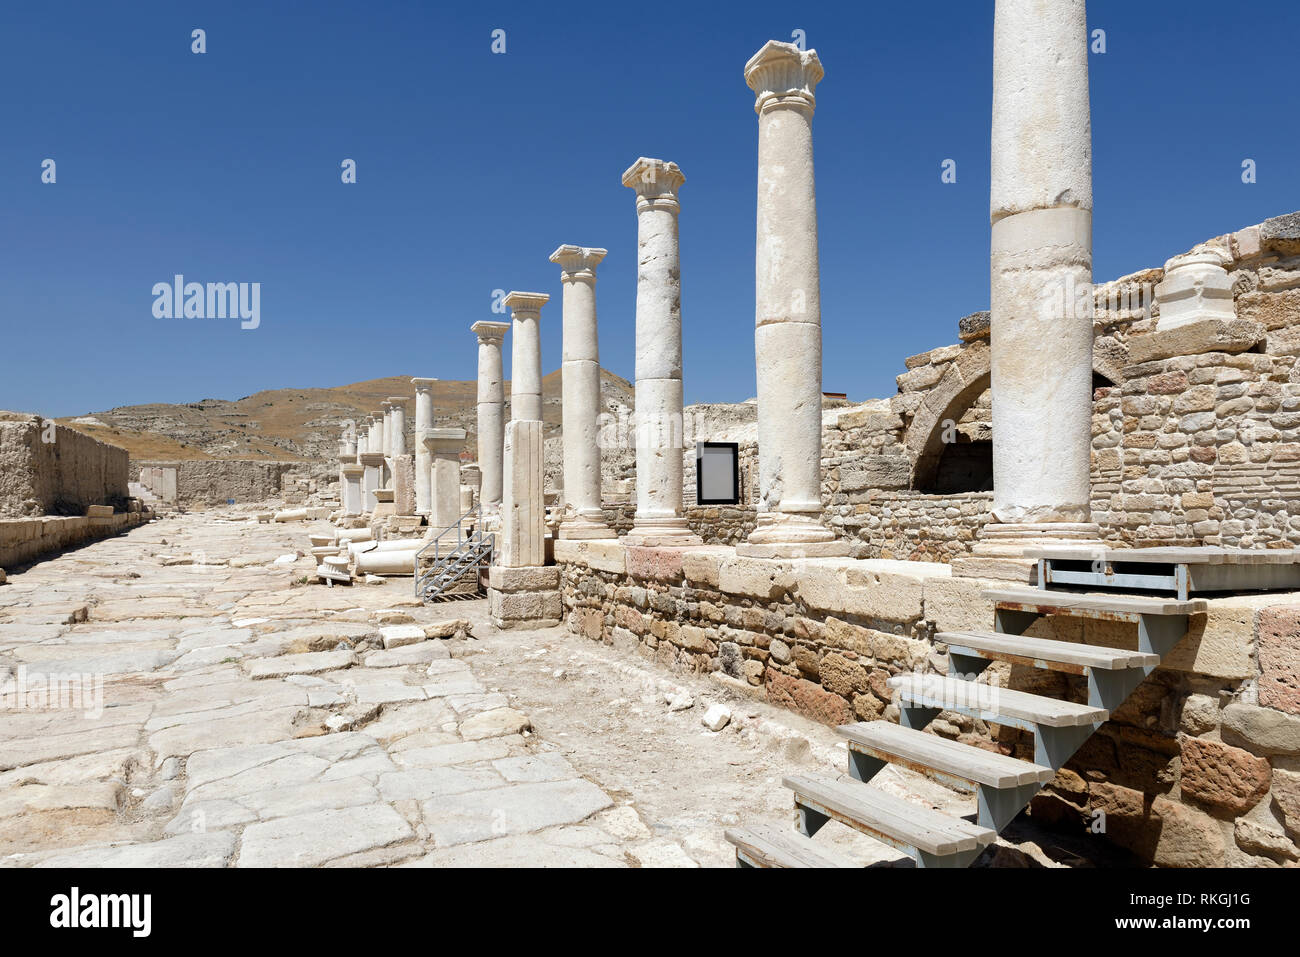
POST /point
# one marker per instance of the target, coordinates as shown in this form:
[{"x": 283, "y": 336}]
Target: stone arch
[{"x": 963, "y": 382}]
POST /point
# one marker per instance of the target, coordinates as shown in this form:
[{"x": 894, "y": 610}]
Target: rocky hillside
[{"x": 300, "y": 424}]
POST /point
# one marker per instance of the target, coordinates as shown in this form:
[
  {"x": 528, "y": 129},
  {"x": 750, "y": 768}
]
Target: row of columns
[{"x": 1041, "y": 200}]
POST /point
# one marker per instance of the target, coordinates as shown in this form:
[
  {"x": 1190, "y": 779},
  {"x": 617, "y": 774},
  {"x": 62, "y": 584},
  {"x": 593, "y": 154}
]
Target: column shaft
[
  {"x": 423, "y": 457},
  {"x": 491, "y": 410},
  {"x": 659, "y": 518},
  {"x": 581, "y": 375},
  {"x": 1041, "y": 263}
]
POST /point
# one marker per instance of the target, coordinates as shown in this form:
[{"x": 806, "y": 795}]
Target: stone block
[
  {"x": 876, "y": 472},
  {"x": 1228, "y": 778},
  {"x": 764, "y": 578},
  {"x": 603, "y": 555},
  {"x": 655, "y": 563},
  {"x": 1196, "y": 338},
  {"x": 1261, "y": 730},
  {"x": 1219, "y": 642},
  {"x": 1188, "y": 837},
  {"x": 542, "y": 609},
  {"x": 527, "y": 578},
  {"x": 807, "y": 698},
  {"x": 954, "y": 604},
  {"x": 523, "y": 508},
  {"x": 1279, "y": 658},
  {"x": 701, "y": 566}
]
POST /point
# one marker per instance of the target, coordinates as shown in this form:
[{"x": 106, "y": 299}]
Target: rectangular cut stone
[
  {"x": 599, "y": 555},
  {"x": 528, "y": 578},
  {"x": 523, "y": 509},
  {"x": 404, "y": 484}
]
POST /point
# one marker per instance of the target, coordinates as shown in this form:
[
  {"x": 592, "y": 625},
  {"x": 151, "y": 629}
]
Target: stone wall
[
  {"x": 24, "y": 540},
  {"x": 1201, "y": 767},
  {"x": 1201, "y": 450},
  {"x": 214, "y": 481},
  {"x": 59, "y": 477}
]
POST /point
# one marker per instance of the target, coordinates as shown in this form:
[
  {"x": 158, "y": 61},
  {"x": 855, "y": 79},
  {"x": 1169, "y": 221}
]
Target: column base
[
  {"x": 525, "y": 597},
  {"x": 576, "y": 525},
  {"x": 792, "y": 535},
  {"x": 655, "y": 532},
  {"x": 1000, "y": 552}
]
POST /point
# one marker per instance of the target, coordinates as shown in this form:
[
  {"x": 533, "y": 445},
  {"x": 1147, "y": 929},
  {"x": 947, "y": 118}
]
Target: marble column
[
  {"x": 523, "y": 507},
  {"x": 423, "y": 457},
  {"x": 581, "y": 377},
  {"x": 397, "y": 416},
  {"x": 387, "y": 426},
  {"x": 525, "y": 355},
  {"x": 376, "y": 443},
  {"x": 491, "y": 410},
  {"x": 787, "y": 310},
  {"x": 659, "y": 431},
  {"x": 1041, "y": 277}
]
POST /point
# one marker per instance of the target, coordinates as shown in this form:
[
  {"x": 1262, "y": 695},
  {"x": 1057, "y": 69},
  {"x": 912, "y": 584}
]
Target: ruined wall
[
  {"x": 1201, "y": 767},
  {"x": 214, "y": 481},
  {"x": 62, "y": 477}
]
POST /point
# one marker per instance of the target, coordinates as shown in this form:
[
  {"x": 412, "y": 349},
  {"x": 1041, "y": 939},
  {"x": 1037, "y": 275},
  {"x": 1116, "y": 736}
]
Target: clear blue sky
[{"x": 473, "y": 167}]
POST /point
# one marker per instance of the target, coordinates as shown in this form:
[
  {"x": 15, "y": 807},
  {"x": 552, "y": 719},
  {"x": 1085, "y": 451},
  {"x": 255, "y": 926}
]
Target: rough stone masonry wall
[
  {"x": 62, "y": 477},
  {"x": 1201, "y": 767},
  {"x": 1206, "y": 450},
  {"x": 213, "y": 481}
]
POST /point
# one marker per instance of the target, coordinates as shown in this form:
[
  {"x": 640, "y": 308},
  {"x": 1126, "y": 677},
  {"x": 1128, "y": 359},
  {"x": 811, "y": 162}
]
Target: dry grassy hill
[{"x": 299, "y": 424}]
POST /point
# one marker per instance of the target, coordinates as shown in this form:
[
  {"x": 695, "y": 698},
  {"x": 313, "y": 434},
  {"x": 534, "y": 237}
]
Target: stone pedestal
[
  {"x": 583, "y": 516},
  {"x": 443, "y": 447},
  {"x": 384, "y": 506},
  {"x": 523, "y": 509},
  {"x": 373, "y": 463},
  {"x": 787, "y": 314},
  {"x": 491, "y": 411},
  {"x": 1041, "y": 282},
  {"x": 353, "y": 501},
  {"x": 527, "y": 597},
  {"x": 423, "y": 459},
  {"x": 659, "y": 429},
  {"x": 404, "y": 484}
]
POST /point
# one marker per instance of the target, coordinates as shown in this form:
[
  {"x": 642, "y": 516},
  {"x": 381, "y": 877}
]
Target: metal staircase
[
  {"x": 451, "y": 562},
  {"x": 1003, "y": 785}
]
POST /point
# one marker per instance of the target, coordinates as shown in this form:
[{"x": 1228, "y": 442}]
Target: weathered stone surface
[
  {"x": 807, "y": 698},
  {"x": 308, "y": 840},
  {"x": 310, "y": 663},
  {"x": 1188, "y": 838},
  {"x": 212, "y": 849},
  {"x": 1223, "y": 776},
  {"x": 1261, "y": 730},
  {"x": 493, "y": 724},
  {"x": 1197, "y": 338},
  {"x": 974, "y": 326},
  {"x": 394, "y": 636},
  {"x": 1258, "y": 839},
  {"x": 480, "y": 815},
  {"x": 1279, "y": 658},
  {"x": 422, "y": 653}
]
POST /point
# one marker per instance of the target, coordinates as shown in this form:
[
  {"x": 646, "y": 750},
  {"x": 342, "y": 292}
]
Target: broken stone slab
[
  {"x": 395, "y": 636},
  {"x": 307, "y": 840},
  {"x": 415, "y": 654},
  {"x": 311, "y": 663},
  {"x": 1196, "y": 338},
  {"x": 480, "y": 815},
  {"x": 495, "y": 723},
  {"x": 452, "y": 628},
  {"x": 211, "y": 849}
]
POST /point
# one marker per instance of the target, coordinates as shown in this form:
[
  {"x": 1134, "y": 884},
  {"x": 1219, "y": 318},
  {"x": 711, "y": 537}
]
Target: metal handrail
[{"x": 453, "y": 557}]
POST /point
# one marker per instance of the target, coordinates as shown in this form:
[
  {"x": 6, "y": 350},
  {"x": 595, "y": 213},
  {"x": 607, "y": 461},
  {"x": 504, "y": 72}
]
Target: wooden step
[
  {"x": 767, "y": 845},
  {"x": 897, "y": 822},
  {"x": 1108, "y": 607},
  {"x": 1045, "y": 652},
  {"x": 991, "y": 703},
  {"x": 927, "y": 752}
]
